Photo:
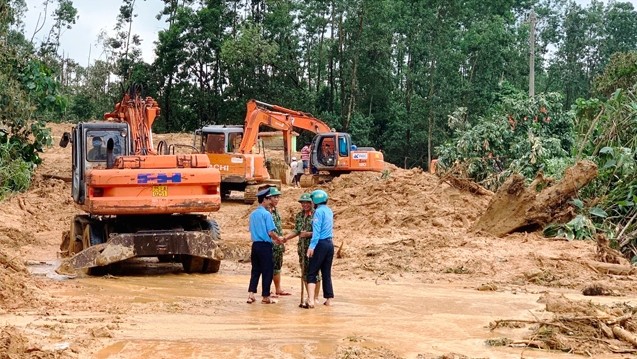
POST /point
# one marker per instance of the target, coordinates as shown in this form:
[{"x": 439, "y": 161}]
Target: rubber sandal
[
  {"x": 268, "y": 301},
  {"x": 251, "y": 300},
  {"x": 283, "y": 293}
]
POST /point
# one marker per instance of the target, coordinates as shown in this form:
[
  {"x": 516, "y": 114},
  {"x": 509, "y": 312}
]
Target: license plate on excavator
[{"x": 160, "y": 191}]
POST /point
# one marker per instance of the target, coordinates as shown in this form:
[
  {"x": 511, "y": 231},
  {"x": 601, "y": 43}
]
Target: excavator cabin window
[
  {"x": 215, "y": 143},
  {"x": 234, "y": 142},
  {"x": 97, "y": 149},
  {"x": 326, "y": 155},
  {"x": 97, "y": 143},
  {"x": 343, "y": 147}
]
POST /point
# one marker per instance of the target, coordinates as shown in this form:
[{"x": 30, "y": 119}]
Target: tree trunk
[
  {"x": 353, "y": 84},
  {"x": 331, "y": 75},
  {"x": 319, "y": 62},
  {"x": 517, "y": 208}
]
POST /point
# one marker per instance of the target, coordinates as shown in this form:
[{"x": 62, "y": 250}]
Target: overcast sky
[
  {"x": 98, "y": 15},
  {"x": 95, "y": 16}
]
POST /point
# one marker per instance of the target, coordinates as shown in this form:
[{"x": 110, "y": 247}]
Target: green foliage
[
  {"x": 247, "y": 55},
  {"x": 15, "y": 173},
  {"x": 608, "y": 135},
  {"x": 523, "y": 135},
  {"x": 42, "y": 89},
  {"x": 21, "y": 104},
  {"x": 29, "y": 95},
  {"x": 579, "y": 228},
  {"x": 621, "y": 72}
]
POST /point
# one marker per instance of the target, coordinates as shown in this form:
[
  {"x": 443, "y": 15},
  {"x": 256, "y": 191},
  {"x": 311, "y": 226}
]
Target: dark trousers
[
  {"x": 322, "y": 260},
  {"x": 262, "y": 265}
]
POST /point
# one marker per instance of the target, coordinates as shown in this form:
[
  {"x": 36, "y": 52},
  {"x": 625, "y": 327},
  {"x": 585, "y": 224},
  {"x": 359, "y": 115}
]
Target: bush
[{"x": 15, "y": 172}]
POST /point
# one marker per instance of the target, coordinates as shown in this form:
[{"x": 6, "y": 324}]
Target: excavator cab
[
  {"x": 239, "y": 171},
  {"x": 333, "y": 154},
  {"x": 331, "y": 151},
  {"x": 95, "y": 145},
  {"x": 218, "y": 139}
]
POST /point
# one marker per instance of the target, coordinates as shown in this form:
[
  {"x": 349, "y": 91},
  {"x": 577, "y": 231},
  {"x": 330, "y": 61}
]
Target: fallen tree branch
[
  {"x": 466, "y": 185},
  {"x": 625, "y": 335},
  {"x": 619, "y": 320},
  {"x": 63, "y": 178},
  {"x": 530, "y": 344},
  {"x": 611, "y": 268},
  {"x": 9, "y": 263},
  {"x": 558, "y": 325},
  {"x": 516, "y": 207}
]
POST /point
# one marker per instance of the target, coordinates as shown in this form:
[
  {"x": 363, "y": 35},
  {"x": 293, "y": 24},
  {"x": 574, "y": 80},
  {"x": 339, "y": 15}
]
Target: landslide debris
[{"x": 579, "y": 327}]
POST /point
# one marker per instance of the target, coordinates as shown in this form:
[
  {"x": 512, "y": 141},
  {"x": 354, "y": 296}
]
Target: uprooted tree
[{"x": 516, "y": 207}]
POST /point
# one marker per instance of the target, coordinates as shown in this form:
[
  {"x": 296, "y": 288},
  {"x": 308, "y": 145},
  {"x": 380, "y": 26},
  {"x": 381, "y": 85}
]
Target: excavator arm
[
  {"x": 139, "y": 113},
  {"x": 279, "y": 118}
]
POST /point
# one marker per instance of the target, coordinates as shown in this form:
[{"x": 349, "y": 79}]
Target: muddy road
[{"x": 411, "y": 282}]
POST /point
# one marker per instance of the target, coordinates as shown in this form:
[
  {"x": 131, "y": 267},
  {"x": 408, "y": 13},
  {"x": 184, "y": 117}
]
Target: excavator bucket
[
  {"x": 101, "y": 255},
  {"x": 119, "y": 247},
  {"x": 311, "y": 180}
]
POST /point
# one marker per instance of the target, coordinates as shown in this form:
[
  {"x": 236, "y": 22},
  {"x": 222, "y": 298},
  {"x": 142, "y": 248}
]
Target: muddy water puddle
[
  {"x": 45, "y": 269},
  {"x": 155, "y": 310},
  {"x": 203, "y": 316}
]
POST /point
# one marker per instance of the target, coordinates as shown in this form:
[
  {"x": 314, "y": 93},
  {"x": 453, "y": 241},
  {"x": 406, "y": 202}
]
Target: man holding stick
[{"x": 303, "y": 229}]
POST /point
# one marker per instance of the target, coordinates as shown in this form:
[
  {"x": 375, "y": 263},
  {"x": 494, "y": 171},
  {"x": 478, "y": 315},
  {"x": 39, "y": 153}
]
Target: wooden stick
[
  {"x": 302, "y": 287},
  {"x": 9, "y": 263},
  {"x": 607, "y": 331},
  {"x": 531, "y": 344},
  {"x": 619, "y": 320},
  {"x": 625, "y": 335}
]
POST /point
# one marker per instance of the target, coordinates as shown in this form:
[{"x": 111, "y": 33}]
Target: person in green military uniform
[
  {"x": 277, "y": 249},
  {"x": 303, "y": 229}
]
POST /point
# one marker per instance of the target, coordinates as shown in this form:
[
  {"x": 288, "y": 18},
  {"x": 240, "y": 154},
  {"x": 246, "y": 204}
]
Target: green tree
[
  {"x": 28, "y": 96},
  {"x": 621, "y": 72},
  {"x": 521, "y": 135}
]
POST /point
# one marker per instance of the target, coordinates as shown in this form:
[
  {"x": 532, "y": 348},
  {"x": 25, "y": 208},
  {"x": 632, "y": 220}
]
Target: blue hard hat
[{"x": 319, "y": 196}]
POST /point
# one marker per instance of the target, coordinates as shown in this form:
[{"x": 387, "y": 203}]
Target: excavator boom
[
  {"x": 139, "y": 114},
  {"x": 279, "y": 118}
]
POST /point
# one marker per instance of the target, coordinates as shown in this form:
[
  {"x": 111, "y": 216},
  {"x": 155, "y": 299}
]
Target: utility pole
[{"x": 532, "y": 54}]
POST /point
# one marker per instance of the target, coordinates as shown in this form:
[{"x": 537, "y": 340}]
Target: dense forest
[{"x": 487, "y": 87}]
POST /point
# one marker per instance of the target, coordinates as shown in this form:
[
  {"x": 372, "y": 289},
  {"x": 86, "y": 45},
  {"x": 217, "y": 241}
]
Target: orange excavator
[
  {"x": 235, "y": 152},
  {"x": 138, "y": 203}
]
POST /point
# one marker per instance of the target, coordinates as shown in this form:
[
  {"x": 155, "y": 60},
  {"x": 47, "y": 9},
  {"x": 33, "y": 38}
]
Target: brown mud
[{"x": 411, "y": 281}]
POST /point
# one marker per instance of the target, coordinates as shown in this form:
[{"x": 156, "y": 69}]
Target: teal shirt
[{"x": 322, "y": 225}]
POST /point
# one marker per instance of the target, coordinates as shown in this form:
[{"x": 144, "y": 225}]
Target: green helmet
[
  {"x": 305, "y": 197},
  {"x": 319, "y": 196},
  {"x": 273, "y": 191}
]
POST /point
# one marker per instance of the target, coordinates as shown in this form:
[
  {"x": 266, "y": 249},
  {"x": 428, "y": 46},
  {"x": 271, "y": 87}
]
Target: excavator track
[{"x": 250, "y": 194}]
